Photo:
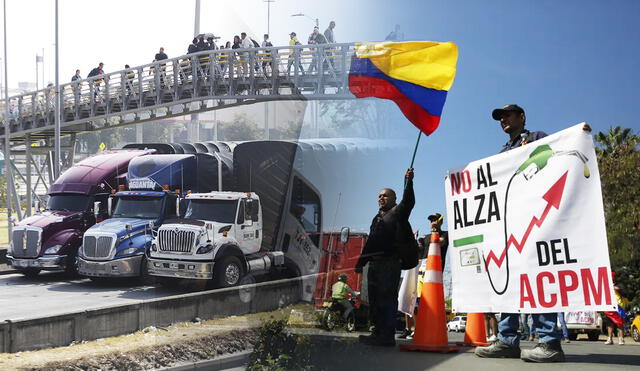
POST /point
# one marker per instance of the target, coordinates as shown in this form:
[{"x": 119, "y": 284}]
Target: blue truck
[{"x": 157, "y": 185}]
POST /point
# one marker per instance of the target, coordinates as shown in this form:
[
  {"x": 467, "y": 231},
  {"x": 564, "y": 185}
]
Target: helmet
[{"x": 343, "y": 277}]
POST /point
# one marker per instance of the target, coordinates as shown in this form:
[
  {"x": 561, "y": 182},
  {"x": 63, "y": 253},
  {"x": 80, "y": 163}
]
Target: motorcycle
[{"x": 332, "y": 315}]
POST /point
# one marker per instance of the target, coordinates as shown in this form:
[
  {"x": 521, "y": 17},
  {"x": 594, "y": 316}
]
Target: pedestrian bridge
[{"x": 188, "y": 84}]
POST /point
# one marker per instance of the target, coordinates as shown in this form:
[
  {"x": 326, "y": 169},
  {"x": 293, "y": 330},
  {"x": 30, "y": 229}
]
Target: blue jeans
[
  {"x": 544, "y": 325},
  {"x": 563, "y": 325},
  {"x": 383, "y": 283}
]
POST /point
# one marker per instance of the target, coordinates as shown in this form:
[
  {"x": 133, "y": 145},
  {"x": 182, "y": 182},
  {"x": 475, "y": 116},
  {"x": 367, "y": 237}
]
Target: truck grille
[
  {"x": 26, "y": 243},
  {"x": 97, "y": 247},
  {"x": 176, "y": 240}
]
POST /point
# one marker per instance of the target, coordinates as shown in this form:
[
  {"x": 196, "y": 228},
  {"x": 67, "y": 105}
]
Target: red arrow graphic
[{"x": 553, "y": 197}]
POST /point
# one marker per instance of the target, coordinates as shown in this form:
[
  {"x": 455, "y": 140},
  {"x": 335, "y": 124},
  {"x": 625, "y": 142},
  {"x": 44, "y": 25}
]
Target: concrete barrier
[{"x": 62, "y": 330}]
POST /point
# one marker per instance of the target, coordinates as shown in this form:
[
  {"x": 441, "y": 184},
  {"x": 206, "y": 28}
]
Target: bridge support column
[{"x": 27, "y": 150}]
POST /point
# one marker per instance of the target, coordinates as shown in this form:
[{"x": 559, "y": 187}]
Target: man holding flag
[{"x": 381, "y": 253}]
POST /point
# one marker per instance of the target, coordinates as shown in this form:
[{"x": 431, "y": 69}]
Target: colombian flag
[{"x": 414, "y": 74}]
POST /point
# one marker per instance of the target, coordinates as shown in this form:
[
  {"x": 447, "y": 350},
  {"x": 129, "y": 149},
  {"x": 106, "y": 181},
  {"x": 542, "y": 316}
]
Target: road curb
[{"x": 225, "y": 362}]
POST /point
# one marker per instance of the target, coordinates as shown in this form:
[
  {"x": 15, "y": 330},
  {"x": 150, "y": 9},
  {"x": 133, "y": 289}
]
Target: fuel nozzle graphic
[{"x": 540, "y": 156}]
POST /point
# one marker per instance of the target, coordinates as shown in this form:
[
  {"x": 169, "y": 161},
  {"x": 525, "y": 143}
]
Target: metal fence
[{"x": 229, "y": 75}]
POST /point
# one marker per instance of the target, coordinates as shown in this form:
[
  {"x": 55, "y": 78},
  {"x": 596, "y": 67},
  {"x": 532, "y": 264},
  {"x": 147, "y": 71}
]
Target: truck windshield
[
  {"x": 68, "y": 202},
  {"x": 222, "y": 211},
  {"x": 138, "y": 207}
]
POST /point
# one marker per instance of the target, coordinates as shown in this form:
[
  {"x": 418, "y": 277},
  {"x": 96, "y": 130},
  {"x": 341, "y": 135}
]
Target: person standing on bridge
[
  {"x": 294, "y": 54},
  {"x": 328, "y": 33},
  {"x": 380, "y": 252},
  {"x": 98, "y": 71},
  {"x": 512, "y": 120},
  {"x": 316, "y": 38},
  {"x": 245, "y": 43},
  {"x": 75, "y": 86},
  {"x": 269, "y": 55}
]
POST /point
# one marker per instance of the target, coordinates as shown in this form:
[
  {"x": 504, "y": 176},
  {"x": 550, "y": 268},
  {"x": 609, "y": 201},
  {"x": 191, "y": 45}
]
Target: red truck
[{"x": 50, "y": 240}]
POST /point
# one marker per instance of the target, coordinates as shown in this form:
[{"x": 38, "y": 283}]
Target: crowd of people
[{"x": 264, "y": 62}]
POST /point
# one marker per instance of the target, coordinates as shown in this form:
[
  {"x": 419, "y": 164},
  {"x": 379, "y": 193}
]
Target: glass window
[
  {"x": 69, "y": 202},
  {"x": 222, "y": 211},
  {"x": 241, "y": 213},
  {"x": 138, "y": 207},
  {"x": 305, "y": 206}
]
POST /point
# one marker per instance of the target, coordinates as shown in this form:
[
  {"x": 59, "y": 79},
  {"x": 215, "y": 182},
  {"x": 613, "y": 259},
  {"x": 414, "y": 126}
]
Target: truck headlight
[
  {"x": 129, "y": 251},
  {"x": 204, "y": 249},
  {"x": 53, "y": 250}
]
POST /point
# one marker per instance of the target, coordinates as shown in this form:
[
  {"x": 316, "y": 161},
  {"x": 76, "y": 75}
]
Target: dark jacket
[
  {"x": 95, "y": 72},
  {"x": 388, "y": 231},
  {"x": 193, "y": 48},
  {"x": 161, "y": 56}
]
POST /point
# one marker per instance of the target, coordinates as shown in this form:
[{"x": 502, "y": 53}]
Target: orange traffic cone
[
  {"x": 431, "y": 334},
  {"x": 474, "y": 333}
]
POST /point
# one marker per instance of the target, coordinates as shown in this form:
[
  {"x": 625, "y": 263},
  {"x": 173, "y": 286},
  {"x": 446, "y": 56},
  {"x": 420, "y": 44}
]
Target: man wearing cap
[
  {"x": 295, "y": 53},
  {"x": 512, "y": 119},
  {"x": 436, "y": 227}
]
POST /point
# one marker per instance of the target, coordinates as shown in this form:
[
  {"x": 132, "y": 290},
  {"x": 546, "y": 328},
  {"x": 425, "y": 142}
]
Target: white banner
[{"x": 527, "y": 230}]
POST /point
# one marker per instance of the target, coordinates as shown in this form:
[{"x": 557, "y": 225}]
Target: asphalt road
[
  {"x": 343, "y": 352},
  {"x": 53, "y": 293}
]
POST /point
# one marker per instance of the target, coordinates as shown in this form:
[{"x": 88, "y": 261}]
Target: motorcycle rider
[{"x": 339, "y": 292}]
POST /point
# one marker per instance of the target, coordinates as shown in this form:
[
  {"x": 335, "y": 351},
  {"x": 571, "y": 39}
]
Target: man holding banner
[
  {"x": 512, "y": 120},
  {"x": 528, "y": 236}
]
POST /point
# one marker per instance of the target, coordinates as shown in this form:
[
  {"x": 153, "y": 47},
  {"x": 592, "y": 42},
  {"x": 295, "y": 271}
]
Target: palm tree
[{"x": 615, "y": 138}]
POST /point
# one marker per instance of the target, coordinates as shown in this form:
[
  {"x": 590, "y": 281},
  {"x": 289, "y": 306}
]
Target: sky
[{"x": 565, "y": 62}]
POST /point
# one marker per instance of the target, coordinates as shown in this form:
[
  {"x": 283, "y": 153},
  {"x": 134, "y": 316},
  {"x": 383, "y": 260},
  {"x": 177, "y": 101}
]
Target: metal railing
[{"x": 226, "y": 76}]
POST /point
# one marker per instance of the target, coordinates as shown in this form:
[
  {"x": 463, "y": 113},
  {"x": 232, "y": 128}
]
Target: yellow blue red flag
[{"x": 416, "y": 75}]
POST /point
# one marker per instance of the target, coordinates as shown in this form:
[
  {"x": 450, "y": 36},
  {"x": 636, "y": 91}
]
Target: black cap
[
  {"x": 497, "y": 113},
  {"x": 433, "y": 217},
  {"x": 292, "y": 34}
]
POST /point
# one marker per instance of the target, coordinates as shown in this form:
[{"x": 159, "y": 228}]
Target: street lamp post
[
  {"x": 305, "y": 15},
  {"x": 7, "y": 139},
  {"x": 269, "y": 15}
]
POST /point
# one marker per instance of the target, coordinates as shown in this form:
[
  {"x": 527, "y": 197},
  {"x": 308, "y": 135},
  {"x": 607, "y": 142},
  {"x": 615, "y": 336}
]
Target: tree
[
  {"x": 616, "y": 137},
  {"x": 241, "y": 128},
  {"x": 619, "y": 159}
]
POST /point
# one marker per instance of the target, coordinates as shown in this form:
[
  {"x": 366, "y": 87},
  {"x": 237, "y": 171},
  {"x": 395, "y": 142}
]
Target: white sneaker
[
  {"x": 608, "y": 342},
  {"x": 621, "y": 341},
  {"x": 492, "y": 339}
]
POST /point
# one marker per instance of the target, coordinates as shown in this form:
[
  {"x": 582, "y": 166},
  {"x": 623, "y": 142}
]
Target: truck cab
[
  {"x": 50, "y": 240},
  {"x": 116, "y": 247},
  {"x": 218, "y": 239}
]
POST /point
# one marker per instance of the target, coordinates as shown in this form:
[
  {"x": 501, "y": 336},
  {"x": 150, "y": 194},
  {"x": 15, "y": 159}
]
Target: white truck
[{"x": 269, "y": 222}]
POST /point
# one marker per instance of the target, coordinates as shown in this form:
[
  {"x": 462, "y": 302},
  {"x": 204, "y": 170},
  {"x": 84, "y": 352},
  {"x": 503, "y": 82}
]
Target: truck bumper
[
  {"x": 125, "y": 267},
  {"x": 47, "y": 263},
  {"x": 180, "y": 269}
]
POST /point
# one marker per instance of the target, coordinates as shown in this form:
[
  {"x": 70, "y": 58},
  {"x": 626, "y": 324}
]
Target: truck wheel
[
  {"x": 593, "y": 335},
  {"x": 227, "y": 272},
  {"x": 30, "y": 272},
  {"x": 573, "y": 335}
]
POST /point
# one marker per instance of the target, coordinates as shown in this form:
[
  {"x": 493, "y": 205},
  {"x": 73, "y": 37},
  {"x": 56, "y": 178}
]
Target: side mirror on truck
[
  {"x": 109, "y": 205},
  {"x": 96, "y": 210},
  {"x": 178, "y": 199},
  {"x": 344, "y": 235}
]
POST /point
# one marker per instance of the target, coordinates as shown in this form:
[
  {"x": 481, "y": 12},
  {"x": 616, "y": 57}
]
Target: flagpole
[{"x": 415, "y": 150}]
